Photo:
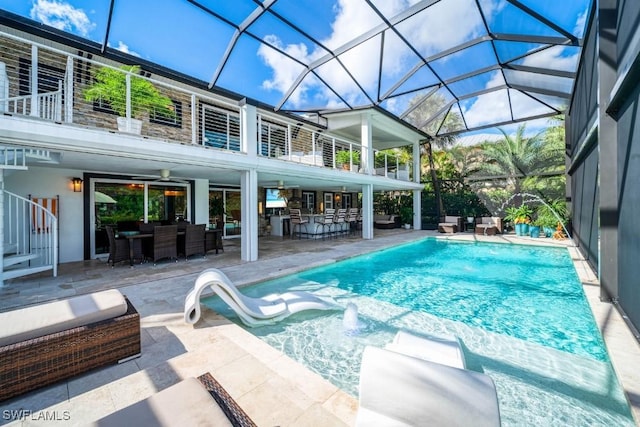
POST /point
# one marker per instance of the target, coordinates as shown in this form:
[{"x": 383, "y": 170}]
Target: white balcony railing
[{"x": 198, "y": 118}]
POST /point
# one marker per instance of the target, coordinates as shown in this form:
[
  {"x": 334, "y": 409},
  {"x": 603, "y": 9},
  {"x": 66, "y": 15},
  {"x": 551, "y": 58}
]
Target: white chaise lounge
[
  {"x": 252, "y": 311},
  {"x": 401, "y": 390}
]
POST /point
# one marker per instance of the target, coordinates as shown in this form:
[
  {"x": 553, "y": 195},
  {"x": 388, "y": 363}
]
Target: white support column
[
  {"x": 248, "y": 129},
  {"x": 367, "y": 156},
  {"x": 249, "y": 184},
  {"x": 249, "y": 217},
  {"x": 201, "y": 197},
  {"x": 367, "y": 211}
]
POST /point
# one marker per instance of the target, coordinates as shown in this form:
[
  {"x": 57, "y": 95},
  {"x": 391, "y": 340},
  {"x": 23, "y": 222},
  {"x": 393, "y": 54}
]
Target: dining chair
[
  {"x": 165, "y": 242},
  {"x": 193, "y": 240},
  {"x": 296, "y": 220},
  {"x": 118, "y": 248}
]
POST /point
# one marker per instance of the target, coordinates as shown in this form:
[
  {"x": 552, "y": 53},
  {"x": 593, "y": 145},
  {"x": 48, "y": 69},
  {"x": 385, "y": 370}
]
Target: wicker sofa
[
  {"x": 488, "y": 225},
  {"x": 451, "y": 224},
  {"x": 385, "y": 221},
  {"x": 45, "y": 343}
]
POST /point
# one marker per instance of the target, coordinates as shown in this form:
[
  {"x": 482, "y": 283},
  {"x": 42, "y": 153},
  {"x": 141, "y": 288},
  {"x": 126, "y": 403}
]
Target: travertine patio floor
[{"x": 271, "y": 388}]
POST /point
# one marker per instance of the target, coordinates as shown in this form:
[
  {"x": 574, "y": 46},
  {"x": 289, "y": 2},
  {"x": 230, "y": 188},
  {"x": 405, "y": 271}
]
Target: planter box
[{"x": 129, "y": 125}]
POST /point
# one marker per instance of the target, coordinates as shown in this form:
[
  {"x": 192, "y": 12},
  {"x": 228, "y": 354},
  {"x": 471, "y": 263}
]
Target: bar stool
[
  {"x": 296, "y": 220},
  {"x": 326, "y": 221}
]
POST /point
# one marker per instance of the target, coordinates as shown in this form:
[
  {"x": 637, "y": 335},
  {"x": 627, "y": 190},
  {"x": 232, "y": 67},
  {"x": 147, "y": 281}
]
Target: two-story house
[{"x": 63, "y": 153}]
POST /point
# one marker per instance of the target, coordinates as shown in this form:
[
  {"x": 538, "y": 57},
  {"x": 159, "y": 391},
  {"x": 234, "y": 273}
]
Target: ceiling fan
[{"x": 165, "y": 176}]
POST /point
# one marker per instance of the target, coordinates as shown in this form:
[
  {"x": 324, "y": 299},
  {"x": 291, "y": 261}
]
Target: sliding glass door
[
  {"x": 224, "y": 211},
  {"x": 124, "y": 204}
]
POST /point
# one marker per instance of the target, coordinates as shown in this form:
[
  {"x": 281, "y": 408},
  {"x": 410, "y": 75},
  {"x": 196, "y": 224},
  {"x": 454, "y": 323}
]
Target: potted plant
[
  {"x": 549, "y": 215},
  {"x": 406, "y": 216},
  {"x": 521, "y": 217},
  {"x": 345, "y": 158},
  {"x": 110, "y": 85},
  {"x": 216, "y": 210}
]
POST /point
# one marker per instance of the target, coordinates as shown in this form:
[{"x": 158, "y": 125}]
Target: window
[
  {"x": 220, "y": 128},
  {"x": 328, "y": 201},
  {"x": 175, "y": 121},
  {"x": 346, "y": 200},
  {"x": 309, "y": 200},
  {"x": 48, "y": 77}
]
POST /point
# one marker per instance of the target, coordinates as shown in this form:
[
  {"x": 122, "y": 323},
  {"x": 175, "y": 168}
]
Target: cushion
[
  {"x": 445, "y": 349},
  {"x": 400, "y": 390},
  {"x": 56, "y": 316},
  {"x": 451, "y": 219},
  {"x": 186, "y": 403}
]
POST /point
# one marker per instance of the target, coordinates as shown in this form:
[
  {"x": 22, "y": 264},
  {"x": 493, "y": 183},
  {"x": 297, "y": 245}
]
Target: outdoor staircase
[{"x": 28, "y": 230}]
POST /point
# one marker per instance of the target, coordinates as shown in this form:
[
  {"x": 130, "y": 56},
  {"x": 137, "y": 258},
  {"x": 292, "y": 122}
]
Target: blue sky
[{"x": 178, "y": 35}]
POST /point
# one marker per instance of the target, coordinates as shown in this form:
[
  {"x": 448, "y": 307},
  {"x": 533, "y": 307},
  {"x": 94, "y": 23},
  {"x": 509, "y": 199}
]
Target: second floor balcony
[{"x": 59, "y": 85}]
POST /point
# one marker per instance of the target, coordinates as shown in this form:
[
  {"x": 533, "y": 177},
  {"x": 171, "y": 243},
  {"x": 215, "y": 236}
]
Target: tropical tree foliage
[{"x": 521, "y": 164}]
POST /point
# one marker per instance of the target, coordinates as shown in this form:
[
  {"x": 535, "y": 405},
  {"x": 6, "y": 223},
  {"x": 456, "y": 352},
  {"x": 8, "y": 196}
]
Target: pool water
[{"x": 519, "y": 311}]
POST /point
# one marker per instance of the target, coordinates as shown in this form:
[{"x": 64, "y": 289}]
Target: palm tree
[{"x": 517, "y": 158}]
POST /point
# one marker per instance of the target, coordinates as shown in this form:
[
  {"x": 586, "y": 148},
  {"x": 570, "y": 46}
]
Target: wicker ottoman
[
  {"x": 486, "y": 229},
  {"x": 35, "y": 362},
  {"x": 447, "y": 228}
]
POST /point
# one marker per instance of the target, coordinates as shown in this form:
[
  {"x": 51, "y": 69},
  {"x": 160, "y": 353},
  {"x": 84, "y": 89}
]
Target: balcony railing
[{"x": 63, "y": 79}]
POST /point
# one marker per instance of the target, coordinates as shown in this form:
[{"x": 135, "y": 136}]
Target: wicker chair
[
  {"x": 165, "y": 243},
  {"x": 118, "y": 248},
  {"x": 193, "y": 240}
]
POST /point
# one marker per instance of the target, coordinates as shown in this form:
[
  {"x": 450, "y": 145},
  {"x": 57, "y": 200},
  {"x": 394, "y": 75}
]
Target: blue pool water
[{"x": 519, "y": 311}]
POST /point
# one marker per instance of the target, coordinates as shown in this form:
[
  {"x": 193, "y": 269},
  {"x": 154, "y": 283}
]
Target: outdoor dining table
[{"x": 132, "y": 236}]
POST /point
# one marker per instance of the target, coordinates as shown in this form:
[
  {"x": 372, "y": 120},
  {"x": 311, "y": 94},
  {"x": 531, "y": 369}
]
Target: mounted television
[{"x": 275, "y": 199}]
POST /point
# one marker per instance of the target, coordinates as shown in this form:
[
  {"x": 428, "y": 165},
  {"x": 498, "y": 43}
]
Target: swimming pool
[{"x": 519, "y": 311}]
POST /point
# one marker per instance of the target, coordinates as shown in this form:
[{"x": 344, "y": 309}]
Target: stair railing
[{"x": 30, "y": 229}]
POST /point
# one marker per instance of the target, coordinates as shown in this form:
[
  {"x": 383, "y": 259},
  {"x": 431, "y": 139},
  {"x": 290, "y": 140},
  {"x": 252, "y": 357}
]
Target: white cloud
[
  {"x": 553, "y": 58},
  {"x": 285, "y": 71},
  {"x": 579, "y": 28},
  {"x": 430, "y": 31},
  {"x": 122, "y": 47},
  {"x": 63, "y": 16},
  {"x": 489, "y": 108}
]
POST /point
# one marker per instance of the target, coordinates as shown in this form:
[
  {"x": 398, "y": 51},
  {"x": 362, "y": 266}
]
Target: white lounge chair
[
  {"x": 400, "y": 390},
  {"x": 444, "y": 349},
  {"x": 252, "y": 311}
]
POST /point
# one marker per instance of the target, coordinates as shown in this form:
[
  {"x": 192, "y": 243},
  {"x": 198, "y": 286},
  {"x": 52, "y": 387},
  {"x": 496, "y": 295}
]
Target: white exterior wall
[{"x": 49, "y": 183}]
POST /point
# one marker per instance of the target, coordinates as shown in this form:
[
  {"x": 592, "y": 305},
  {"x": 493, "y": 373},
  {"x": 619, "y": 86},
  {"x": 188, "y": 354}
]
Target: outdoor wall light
[{"x": 77, "y": 184}]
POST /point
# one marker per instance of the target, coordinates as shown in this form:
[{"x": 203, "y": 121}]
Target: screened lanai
[{"x": 443, "y": 66}]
